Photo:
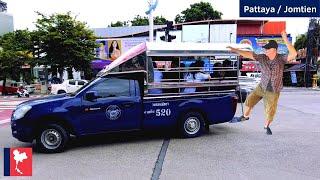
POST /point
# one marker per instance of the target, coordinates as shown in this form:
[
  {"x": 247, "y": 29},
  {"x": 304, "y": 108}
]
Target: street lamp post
[
  {"x": 152, "y": 6},
  {"x": 151, "y": 26}
]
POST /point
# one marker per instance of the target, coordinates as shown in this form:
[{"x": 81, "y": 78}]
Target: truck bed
[{"x": 165, "y": 111}]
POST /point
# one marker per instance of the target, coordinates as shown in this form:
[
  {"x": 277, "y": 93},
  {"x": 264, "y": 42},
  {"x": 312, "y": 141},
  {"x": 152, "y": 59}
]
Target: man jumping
[{"x": 272, "y": 66}]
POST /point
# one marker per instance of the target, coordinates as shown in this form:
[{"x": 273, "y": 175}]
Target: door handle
[
  {"x": 92, "y": 109},
  {"x": 128, "y": 104}
]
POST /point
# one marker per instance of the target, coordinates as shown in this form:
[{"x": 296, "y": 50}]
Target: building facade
[{"x": 6, "y": 23}]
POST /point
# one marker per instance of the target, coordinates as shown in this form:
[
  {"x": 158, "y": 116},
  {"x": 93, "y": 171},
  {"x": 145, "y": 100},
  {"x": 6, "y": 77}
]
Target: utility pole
[
  {"x": 151, "y": 26},
  {"x": 152, "y": 6}
]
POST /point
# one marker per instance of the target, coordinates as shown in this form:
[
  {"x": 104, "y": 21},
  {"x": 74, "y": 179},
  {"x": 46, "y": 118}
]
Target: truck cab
[{"x": 121, "y": 99}]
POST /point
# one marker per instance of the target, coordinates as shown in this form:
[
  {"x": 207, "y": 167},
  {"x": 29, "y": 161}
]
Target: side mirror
[{"x": 91, "y": 95}]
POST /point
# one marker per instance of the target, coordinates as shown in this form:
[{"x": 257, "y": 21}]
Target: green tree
[
  {"x": 119, "y": 24},
  {"x": 140, "y": 21},
  {"x": 301, "y": 42},
  {"x": 198, "y": 12},
  {"x": 159, "y": 20},
  {"x": 64, "y": 42},
  {"x": 15, "y": 51},
  {"x": 144, "y": 21}
]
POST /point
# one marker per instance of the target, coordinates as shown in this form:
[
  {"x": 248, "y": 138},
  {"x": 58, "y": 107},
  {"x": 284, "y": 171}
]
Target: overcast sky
[{"x": 99, "y": 13}]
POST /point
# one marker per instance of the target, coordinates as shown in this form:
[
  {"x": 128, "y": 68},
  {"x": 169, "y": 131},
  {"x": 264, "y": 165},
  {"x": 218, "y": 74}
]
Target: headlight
[{"x": 21, "y": 111}]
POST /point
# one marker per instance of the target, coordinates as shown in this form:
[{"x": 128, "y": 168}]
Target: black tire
[
  {"x": 61, "y": 91},
  {"x": 191, "y": 125},
  {"x": 27, "y": 95},
  {"x": 55, "y": 134}
]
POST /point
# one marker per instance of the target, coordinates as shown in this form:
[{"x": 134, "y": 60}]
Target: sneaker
[
  {"x": 239, "y": 119},
  {"x": 242, "y": 118},
  {"x": 269, "y": 132}
]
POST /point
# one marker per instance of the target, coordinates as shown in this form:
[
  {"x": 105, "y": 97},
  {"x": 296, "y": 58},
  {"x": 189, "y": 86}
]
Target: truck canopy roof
[{"x": 192, "y": 49}]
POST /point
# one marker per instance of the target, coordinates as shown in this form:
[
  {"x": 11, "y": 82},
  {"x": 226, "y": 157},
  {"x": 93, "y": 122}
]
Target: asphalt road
[{"x": 228, "y": 151}]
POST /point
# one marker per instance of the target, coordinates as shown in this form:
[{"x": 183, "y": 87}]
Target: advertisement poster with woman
[
  {"x": 102, "y": 50},
  {"x": 114, "y": 47}
]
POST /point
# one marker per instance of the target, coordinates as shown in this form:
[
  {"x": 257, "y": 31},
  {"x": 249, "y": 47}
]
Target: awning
[
  {"x": 100, "y": 64},
  {"x": 300, "y": 67}
]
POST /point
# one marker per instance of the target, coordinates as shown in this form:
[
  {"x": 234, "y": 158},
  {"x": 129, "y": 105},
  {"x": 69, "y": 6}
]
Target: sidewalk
[{"x": 295, "y": 89}]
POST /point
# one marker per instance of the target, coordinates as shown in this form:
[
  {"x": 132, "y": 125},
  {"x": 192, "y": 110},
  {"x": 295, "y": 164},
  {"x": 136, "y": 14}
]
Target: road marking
[
  {"x": 11, "y": 103},
  {"x": 159, "y": 163},
  {"x": 4, "y": 121},
  {"x": 8, "y": 108}
]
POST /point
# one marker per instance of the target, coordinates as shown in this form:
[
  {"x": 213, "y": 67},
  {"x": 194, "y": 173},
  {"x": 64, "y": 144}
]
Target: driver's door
[{"x": 117, "y": 107}]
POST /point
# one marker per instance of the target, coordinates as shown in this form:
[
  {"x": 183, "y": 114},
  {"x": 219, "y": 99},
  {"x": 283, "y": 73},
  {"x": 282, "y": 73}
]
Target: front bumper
[{"x": 21, "y": 132}]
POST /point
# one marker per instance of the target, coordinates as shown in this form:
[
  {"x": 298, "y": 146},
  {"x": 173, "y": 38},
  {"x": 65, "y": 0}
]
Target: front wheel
[
  {"x": 191, "y": 125},
  {"x": 52, "y": 139}
]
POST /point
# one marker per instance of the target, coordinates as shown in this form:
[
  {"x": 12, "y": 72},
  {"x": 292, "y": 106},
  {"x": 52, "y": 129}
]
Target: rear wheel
[
  {"x": 52, "y": 138},
  {"x": 191, "y": 125}
]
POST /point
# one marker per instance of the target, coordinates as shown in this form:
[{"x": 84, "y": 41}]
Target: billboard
[
  {"x": 128, "y": 43},
  {"x": 109, "y": 50},
  {"x": 102, "y": 50},
  {"x": 258, "y": 41},
  {"x": 114, "y": 49}
]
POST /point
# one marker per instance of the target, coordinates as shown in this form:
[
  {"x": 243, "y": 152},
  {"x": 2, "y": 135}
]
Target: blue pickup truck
[{"x": 120, "y": 101}]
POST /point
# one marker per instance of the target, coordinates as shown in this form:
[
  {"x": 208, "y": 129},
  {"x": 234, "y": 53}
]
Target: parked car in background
[
  {"x": 30, "y": 88},
  {"x": 11, "y": 87},
  {"x": 68, "y": 86}
]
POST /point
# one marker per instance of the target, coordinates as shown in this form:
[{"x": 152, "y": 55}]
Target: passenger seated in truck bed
[{"x": 172, "y": 76}]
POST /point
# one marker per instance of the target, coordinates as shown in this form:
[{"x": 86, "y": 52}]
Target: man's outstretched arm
[
  {"x": 245, "y": 54},
  {"x": 292, "y": 51}
]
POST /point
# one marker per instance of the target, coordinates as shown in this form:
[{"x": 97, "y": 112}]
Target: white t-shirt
[{"x": 199, "y": 77}]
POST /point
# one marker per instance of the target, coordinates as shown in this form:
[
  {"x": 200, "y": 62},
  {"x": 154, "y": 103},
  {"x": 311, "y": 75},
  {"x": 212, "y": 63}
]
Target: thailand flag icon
[{"x": 17, "y": 161}]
